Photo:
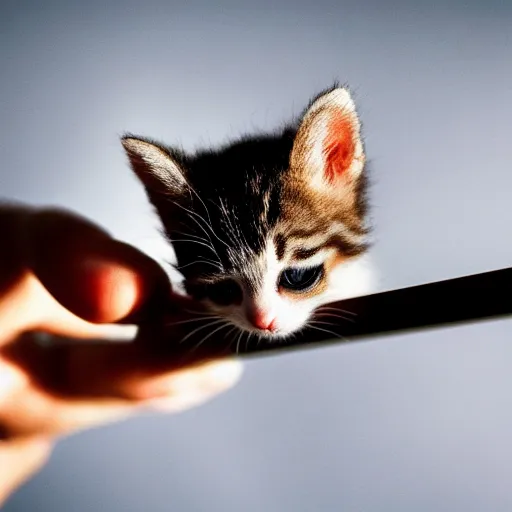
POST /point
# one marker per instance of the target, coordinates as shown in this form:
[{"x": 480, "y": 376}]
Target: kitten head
[{"x": 268, "y": 228}]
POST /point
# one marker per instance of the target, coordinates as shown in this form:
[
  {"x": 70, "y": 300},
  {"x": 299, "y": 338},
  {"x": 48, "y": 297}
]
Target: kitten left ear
[
  {"x": 156, "y": 168},
  {"x": 328, "y": 146}
]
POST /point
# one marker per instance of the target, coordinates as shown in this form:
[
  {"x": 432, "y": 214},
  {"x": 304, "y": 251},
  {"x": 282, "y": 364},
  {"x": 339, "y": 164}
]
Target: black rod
[{"x": 451, "y": 302}]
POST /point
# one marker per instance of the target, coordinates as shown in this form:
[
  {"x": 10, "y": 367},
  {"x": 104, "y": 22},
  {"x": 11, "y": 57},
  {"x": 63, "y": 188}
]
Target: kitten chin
[{"x": 267, "y": 229}]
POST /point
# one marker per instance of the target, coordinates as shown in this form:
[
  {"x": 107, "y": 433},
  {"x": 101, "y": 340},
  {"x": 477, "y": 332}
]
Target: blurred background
[{"x": 417, "y": 422}]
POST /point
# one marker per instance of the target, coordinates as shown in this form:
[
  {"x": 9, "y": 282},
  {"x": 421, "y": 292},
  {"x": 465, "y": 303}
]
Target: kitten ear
[
  {"x": 328, "y": 147},
  {"x": 159, "y": 172}
]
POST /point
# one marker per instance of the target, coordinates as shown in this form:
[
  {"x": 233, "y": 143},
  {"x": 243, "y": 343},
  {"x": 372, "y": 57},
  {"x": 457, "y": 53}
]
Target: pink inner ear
[{"x": 339, "y": 146}]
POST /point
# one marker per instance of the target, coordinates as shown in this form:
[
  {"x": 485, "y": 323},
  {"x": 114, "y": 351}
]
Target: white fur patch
[{"x": 349, "y": 279}]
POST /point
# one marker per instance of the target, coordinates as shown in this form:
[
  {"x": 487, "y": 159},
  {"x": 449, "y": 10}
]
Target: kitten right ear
[
  {"x": 328, "y": 150},
  {"x": 155, "y": 166}
]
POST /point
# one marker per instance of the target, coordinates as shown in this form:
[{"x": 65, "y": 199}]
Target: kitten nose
[{"x": 262, "y": 321}]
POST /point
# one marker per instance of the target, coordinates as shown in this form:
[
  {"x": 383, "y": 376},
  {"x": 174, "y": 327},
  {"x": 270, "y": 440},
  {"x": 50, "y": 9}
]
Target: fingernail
[
  {"x": 224, "y": 374},
  {"x": 114, "y": 332},
  {"x": 194, "y": 385},
  {"x": 115, "y": 289},
  {"x": 179, "y": 403},
  {"x": 11, "y": 379}
]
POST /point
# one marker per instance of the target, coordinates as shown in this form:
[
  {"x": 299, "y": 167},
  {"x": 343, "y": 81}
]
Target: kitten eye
[
  {"x": 224, "y": 292},
  {"x": 300, "y": 279}
]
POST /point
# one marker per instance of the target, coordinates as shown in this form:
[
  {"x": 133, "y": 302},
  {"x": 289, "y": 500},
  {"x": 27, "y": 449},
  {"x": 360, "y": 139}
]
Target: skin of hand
[{"x": 62, "y": 275}]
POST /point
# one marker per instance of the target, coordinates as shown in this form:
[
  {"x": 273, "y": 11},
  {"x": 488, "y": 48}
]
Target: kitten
[{"x": 268, "y": 228}]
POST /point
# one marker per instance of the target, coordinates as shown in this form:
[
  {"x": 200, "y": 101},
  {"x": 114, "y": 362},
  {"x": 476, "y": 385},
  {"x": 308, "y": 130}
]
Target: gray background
[{"x": 417, "y": 422}]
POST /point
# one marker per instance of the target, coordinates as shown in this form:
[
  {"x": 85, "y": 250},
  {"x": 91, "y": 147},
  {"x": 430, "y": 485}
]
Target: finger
[
  {"x": 19, "y": 460},
  {"x": 33, "y": 409},
  {"x": 77, "y": 385},
  {"x": 27, "y": 305},
  {"x": 76, "y": 265},
  {"x": 53, "y": 318},
  {"x": 95, "y": 277},
  {"x": 173, "y": 392},
  {"x": 79, "y": 276},
  {"x": 103, "y": 369}
]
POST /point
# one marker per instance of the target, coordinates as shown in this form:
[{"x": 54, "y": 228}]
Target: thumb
[{"x": 92, "y": 275}]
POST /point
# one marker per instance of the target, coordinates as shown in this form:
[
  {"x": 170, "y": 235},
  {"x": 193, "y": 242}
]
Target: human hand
[{"x": 62, "y": 275}]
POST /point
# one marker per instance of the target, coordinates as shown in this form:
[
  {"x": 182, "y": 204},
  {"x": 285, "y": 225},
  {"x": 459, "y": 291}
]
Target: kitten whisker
[
  {"x": 210, "y": 324},
  {"x": 249, "y": 336},
  {"x": 259, "y": 340},
  {"x": 239, "y": 233},
  {"x": 187, "y": 233},
  {"x": 202, "y": 202},
  {"x": 330, "y": 308},
  {"x": 227, "y": 218},
  {"x": 194, "y": 219},
  {"x": 198, "y": 223},
  {"x": 319, "y": 322},
  {"x": 233, "y": 328},
  {"x": 192, "y": 312},
  {"x": 331, "y": 313},
  {"x": 191, "y": 320},
  {"x": 210, "y": 334},
  {"x": 197, "y": 237},
  {"x": 258, "y": 337},
  {"x": 336, "y": 335},
  {"x": 209, "y": 262},
  {"x": 192, "y": 242},
  {"x": 237, "y": 346},
  {"x": 323, "y": 315},
  {"x": 206, "y": 223}
]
